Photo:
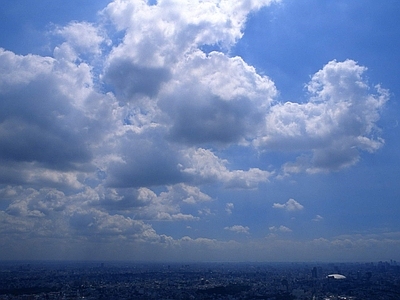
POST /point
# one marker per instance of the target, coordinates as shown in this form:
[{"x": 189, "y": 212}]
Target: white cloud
[
  {"x": 208, "y": 98},
  {"x": 337, "y": 122},
  {"x": 145, "y": 204},
  {"x": 238, "y": 229},
  {"x": 229, "y": 208},
  {"x": 158, "y": 33},
  {"x": 205, "y": 211},
  {"x": 216, "y": 99},
  {"x": 94, "y": 213},
  {"x": 43, "y": 119},
  {"x": 290, "y": 205},
  {"x": 317, "y": 218},
  {"x": 187, "y": 194},
  {"x": 29, "y": 67},
  {"x": 163, "y": 216},
  {"x": 160, "y": 37},
  {"x": 205, "y": 166},
  {"x": 83, "y": 37},
  {"x": 280, "y": 229}
]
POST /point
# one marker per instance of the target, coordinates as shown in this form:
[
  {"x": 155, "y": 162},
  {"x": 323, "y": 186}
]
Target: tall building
[{"x": 314, "y": 272}]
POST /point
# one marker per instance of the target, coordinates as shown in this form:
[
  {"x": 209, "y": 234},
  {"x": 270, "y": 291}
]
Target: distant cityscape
[{"x": 125, "y": 280}]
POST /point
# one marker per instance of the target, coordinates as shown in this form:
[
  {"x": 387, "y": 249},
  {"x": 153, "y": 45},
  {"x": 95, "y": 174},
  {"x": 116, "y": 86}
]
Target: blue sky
[{"x": 199, "y": 130}]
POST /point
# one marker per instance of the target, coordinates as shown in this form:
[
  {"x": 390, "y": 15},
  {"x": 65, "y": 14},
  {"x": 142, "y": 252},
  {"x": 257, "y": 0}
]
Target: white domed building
[{"x": 336, "y": 276}]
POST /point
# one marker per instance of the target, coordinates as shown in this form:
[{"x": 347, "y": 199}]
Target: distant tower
[{"x": 314, "y": 272}]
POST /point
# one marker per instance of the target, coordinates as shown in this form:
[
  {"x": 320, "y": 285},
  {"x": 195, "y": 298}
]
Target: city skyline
[{"x": 177, "y": 130}]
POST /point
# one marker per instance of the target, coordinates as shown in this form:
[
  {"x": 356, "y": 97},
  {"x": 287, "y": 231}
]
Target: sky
[{"x": 177, "y": 130}]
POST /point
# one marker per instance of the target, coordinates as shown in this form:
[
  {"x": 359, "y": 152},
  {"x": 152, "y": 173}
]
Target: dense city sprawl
[{"x": 121, "y": 280}]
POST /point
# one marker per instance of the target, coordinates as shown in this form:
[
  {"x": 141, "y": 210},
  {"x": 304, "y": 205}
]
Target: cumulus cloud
[
  {"x": 175, "y": 217},
  {"x": 216, "y": 99},
  {"x": 144, "y": 161},
  {"x": 130, "y": 80},
  {"x": 238, "y": 229},
  {"x": 290, "y": 205},
  {"x": 39, "y": 111},
  {"x": 145, "y": 204},
  {"x": 54, "y": 214},
  {"x": 317, "y": 218},
  {"x": 156, "y": 34},
  {"x": 280, "y": 229},
  {"x": 205, "y": 166},
  {"x": 229, "y": 208},
  {"x": 205, "y": 211},
  {"x": 94, "y": 213},
  {"x": 83, "y": 37},
  {"x": 337, "y": 122}
]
